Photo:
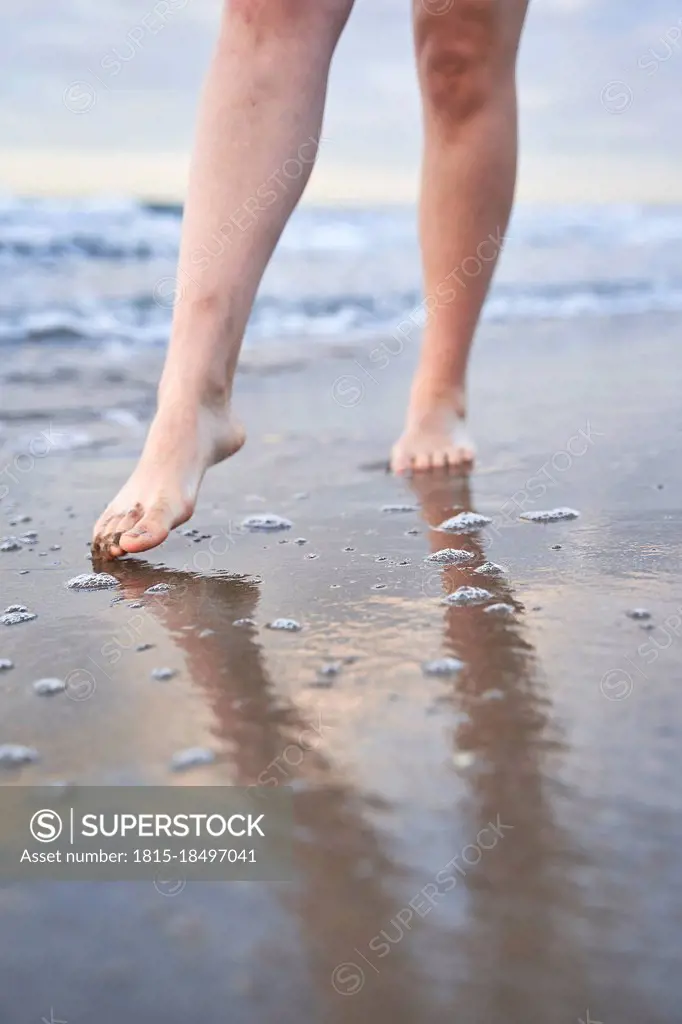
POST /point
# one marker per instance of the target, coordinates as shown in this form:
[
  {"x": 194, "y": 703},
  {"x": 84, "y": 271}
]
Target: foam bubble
[
  {"x": 442, "y": 667},
  {"x": 92, "y": 581},
  {"x": 464, "y": 522},
  {"x": 267, "y": 522},
  {"x": 449, "y": 556},
  {"x": 553, "y": 515},
  {"x": 490, "y": 569},
  {"x": 13, "y": 754},
  {"x": 192, "y": 757},
  {"x": 467, "y": 596},
  {"x": 48, "y": 687},
  {"x": 287, "y": 625}
]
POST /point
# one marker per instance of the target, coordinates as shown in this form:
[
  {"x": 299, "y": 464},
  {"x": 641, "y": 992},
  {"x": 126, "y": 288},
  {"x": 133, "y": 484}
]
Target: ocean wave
[
  {"x": 141, "y": 321},
  {"x": 124, "y": 229}
]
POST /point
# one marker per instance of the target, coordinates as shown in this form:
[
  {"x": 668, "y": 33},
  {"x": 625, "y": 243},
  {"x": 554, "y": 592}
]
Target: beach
[{"x": 544, "y": 771}]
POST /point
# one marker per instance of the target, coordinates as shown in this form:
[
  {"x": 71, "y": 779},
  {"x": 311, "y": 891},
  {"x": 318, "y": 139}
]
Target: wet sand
[{"x": 545, "y": 773}]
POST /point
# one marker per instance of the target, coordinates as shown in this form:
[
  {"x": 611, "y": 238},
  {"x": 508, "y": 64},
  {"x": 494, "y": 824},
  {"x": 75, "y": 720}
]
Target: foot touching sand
[
  {"x": 435, "y": 437},
  {"x": 184, "y": 440}
]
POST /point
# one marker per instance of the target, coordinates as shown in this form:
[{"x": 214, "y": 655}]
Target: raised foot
[{"x": 183, "y": 442}]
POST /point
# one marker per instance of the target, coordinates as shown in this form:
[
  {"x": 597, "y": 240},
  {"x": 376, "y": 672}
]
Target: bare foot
[
  {"x": 434, "y": 437},
  {"x": 184, "y": 439}
]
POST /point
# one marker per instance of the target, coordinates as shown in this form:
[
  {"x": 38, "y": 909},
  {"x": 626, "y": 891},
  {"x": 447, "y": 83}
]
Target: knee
[
  {"x": 278, "y": 20},
  {"x": 462, "y": 54}
]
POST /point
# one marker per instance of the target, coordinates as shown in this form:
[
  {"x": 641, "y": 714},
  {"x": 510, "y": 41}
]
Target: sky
[{"x": 600, "y": 83}]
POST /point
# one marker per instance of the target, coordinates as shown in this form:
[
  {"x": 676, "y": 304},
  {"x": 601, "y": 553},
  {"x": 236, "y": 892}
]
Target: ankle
[
  {"x": 429, "y": 395},
  {"x": 208, "y": 392}
]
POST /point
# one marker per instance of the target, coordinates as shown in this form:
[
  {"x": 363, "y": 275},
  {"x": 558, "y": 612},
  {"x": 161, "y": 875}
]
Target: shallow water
[{"x": 499, "y": 844}]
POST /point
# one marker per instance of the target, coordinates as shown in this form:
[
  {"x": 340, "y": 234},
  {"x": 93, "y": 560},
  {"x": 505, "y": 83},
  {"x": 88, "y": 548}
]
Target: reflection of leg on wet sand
[
  {"x": 344, "y": 876},
  {"x": 520, "y": 963}
]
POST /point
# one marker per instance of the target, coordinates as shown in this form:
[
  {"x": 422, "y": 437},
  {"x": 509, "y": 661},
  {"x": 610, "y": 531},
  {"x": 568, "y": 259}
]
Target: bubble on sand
[
  {"x": 287, "y": 625},
  {"x": 10, "y": 544},
  {"x": 467, "y": 596},
  {"x": 162, "y": 674},
  {"x": 464, "y": 522},
  {"x": 144, "y": 647},
  {"x": 490, "y": 569},
  {"x": 349, "y": 549},
  {"x": 638, "y": 613},
  {"x": 14, "y": 754},
  {"x": 159, "y": 588},
  {"x": 48, "y": 687},
  {"x": 500, "y": 609},
  {"x": 330, "y": 669},
  {"x": 379, "y": 586},
  {"x": 398, "y": 508},
  {"x": 14, "y": 618},
  {"x": 442, "y": 667},
  {"x": 300, "y": 540},
  {"x": 553, "y": 515},
  {"x": 268, "y": 522},
  {"x": 463, "y": 759},
  {"x": 92, "y": 581},
  {"x": 30, "y": 537},
  {"x": 193, "y": 757},
  {"x": 6, "y": 664},
  {"x": 449, "y": 556},
  {"x": 244, "y": 622},
  {"x": 311, "y": 555}
]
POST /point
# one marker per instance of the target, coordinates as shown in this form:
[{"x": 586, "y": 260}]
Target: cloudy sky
[{"x": 600, "y": 84}]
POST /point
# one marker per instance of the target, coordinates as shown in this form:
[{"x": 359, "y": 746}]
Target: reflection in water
[
  {"x": 343, "y": 872},
  {"x": 516, "y": 958},
  {"x": 521, "y": 962}
]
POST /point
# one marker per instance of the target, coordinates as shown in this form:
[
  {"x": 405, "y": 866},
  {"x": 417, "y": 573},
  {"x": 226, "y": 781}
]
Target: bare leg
[
  {"x": 259, "y": 124},
  {"x": 466, "y": 58}
]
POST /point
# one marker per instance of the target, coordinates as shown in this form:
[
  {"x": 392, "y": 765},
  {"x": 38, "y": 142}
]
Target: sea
[{"x": 101, "y": 272}]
